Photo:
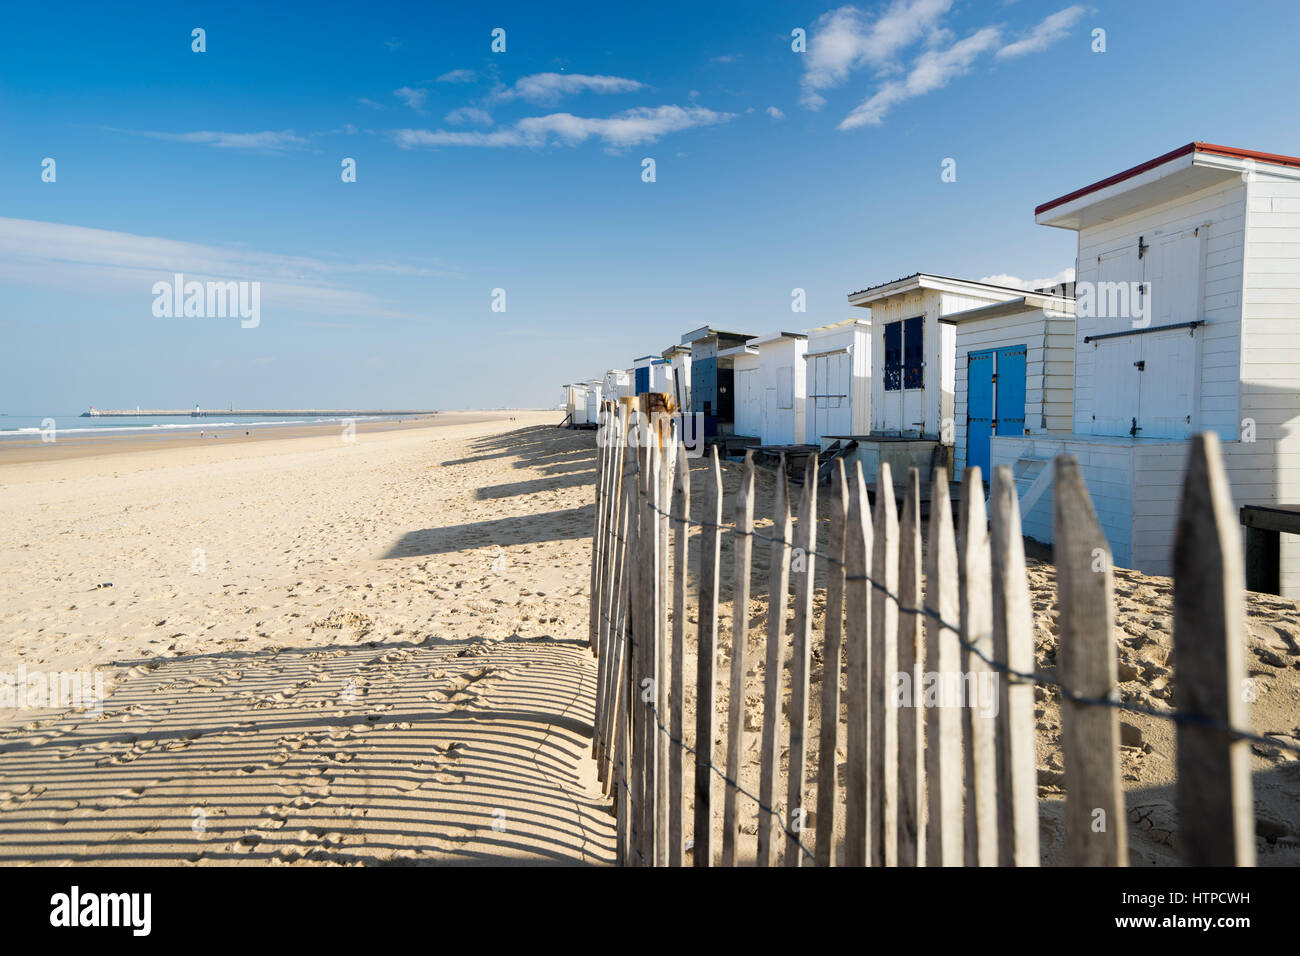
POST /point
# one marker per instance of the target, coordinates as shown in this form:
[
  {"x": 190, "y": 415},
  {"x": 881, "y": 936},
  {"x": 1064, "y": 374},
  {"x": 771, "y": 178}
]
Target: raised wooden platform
[{"x": 1265, "y": 525}]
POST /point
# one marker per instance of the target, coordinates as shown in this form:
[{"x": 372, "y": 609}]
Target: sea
[{"x": 30, "y": 426}]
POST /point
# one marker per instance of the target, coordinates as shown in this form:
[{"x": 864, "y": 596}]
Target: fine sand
[
  {"x": 326, "y": 652},
  {"x": 314, "y": 651}
]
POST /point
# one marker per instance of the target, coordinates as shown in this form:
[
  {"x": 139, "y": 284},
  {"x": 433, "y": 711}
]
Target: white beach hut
[
  {"x": 617, "y": 384},
  {"x": 782, "y": 385},
  {"x": 595, "y": 388},
  {"x": 1187, "y": 320},
  {"x": 837, "y": 373},
  {"x": 1014, "y": 373},
  {"x": 913, "y": 367}
]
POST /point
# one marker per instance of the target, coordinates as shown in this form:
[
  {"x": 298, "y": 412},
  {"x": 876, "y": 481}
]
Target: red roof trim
[{"x": 1231, "y": 151}]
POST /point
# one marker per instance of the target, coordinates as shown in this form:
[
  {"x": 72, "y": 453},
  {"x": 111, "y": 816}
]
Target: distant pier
[{"x": 248, "y": 412}]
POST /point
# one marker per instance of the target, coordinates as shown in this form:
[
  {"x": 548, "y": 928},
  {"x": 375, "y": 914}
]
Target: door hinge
[{"x": 1140, "y": 365}]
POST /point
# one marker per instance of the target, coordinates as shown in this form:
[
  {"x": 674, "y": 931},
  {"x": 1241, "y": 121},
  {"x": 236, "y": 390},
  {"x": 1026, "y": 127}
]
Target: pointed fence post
[
  {"x": 857, "y": 667},
  {"x": 1215, "y": 798},
  {"x": 1095, "y": 825},
  {"x": 828, "y": 744},
  {"x": 981, "y": 847},
  {"x": 663, "y": 591},
  {"x": 1013, "y": 643},
  {"x": 778, "y": 586},
  {"x": 944, "y": 769},
  {"x": 681, "y": 577},
  {"x": 911, "y": 662},
  {"x": 882, "y": 783},
  {"x": 744, "y": 549},
  {"x": 706, "y": 689},
  {"x": 796, "y": 809}
]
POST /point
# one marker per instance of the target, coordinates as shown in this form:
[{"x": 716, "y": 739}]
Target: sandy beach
[
  {"x": 337, "y": 653},
  {"x": 313, "y": 651}
]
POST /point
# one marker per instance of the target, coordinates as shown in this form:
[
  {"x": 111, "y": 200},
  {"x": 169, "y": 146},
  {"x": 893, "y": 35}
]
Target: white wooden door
[{"x": 1167, "y": 378}]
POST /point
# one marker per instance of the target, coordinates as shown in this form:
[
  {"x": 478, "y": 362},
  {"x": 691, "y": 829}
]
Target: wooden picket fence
[{"x": 934, "y": 785}]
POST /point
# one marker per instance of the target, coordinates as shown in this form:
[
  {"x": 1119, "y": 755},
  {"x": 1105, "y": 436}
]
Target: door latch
[{"x": 1140, "y": 365}]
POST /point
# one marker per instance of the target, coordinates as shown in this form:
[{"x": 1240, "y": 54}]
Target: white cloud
[
  {"x": 367, "y": 103},
  {"x": 1052, "y": 28},
  {"x": 414, "y": 98},
  {"x": 61, "y": 256},
  {"x": 727, "y": 58},
  {"x": 932, "y": 70},
  {"x": 775, "y": 113},
  {"x": 458, "y": 76},
  {"x": 629, "y": 128},
  {"x": 1065, "y": 275},
  {"x": 268, "y": 139},
  {"x": 846, "y": 39},
  {"x": 469, "y": 114},
  {"x": 545, "y": 88}
]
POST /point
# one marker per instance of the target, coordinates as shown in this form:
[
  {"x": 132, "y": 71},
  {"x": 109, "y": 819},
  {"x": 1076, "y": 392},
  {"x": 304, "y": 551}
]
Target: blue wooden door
[
  {"x": 1010, "y": 419},
  {"x": 979, "y": 409},
  {"x": 643, "y": 380}
]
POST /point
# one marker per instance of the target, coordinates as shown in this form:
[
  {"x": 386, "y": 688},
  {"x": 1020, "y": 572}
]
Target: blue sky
[{"x": 522, "y": 170}]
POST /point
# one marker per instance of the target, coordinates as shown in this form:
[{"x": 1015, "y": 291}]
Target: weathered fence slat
[
  {"x": 744, "y": 549},
  {"x": 1215, "y": 800},
  {"x": 1095, "y": 825},
  {"x": 911, "y": 659},
  {"x": 706, "y": 660},
  {"x": 616, "y": 622},
  {"x": 640, "y": 647},
  {"x": 828, "y": 744},
  {"x": 597, "y": 538},
  {"x": 664, "y": 473},
  {"x": 943, "y": 725},
  {"x": 681, "y": 511},
  {"x": 1013, "y": 644},
  {"x": 600, "y": 602},
  {"x": 778, "y": 585},
  {"x": 882, "y": 782},
  {"x": 981, "y": 847},
  {"x": 857, "y": 666},
  {"x": 800, "y": 661}
]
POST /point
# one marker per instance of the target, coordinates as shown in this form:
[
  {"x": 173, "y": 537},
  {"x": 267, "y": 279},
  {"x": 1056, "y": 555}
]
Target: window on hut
[
  {"x": 893, "y": 356},
  {"x": 913, "y": 352}
]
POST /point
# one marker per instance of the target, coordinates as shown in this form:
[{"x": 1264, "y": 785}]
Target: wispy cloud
[
  {"x": 544, "y": 88},
  {"x": 1065, "y": 275},
  {"x": 275, "y": 140},
  {"x": 1052, "y": 28},
  {"x": 367, "y": 103},
  {"x": 458, "y": 76},
  {"x": 933, "y": 70},
  {"x": 630, "y": 128},
  {"x": 727, "y": 58},
  {"x": 847, "y": 39},
  {"x": 414, "y": 98},
  {"x": 775, "y": 113},
  {"x": 469, "y": 114},
  {"x": 61, "y": 256}
]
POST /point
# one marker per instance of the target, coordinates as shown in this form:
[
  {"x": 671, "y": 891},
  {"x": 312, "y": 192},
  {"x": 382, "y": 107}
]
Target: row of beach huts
[{"x": 1184, "y": 317}]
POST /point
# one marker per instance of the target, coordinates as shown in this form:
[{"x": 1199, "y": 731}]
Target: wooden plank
[
  {"x": 828, "y": 743},
  {"x": 857, "y": 666},
  {"x": 663, "y": 591},
  {"x": 604, "y": 584},
  {"x": 744, "y": 548},
  {"x": 597, "y": 539},
  {"x": 944, "y": 836},
  {"x": 796, "y": 808},
  {"x": 778, "y": 586},
  {"x": 1215, "y": 796},
  {"x": 706, "y": 692},
  {"x": 1095, "y": 826},
  {"x": 639, "y": 637},
  {"x": 882, "y": 780},
  {"x": 1013, "y": 644},
  {"x": 681, "y": 511},
  {"x": 981, "y": 848},
  {"x": 616, "y": 620},
  {"x": 649, "y": 643},
  {"x": 911, "y": 661}
]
